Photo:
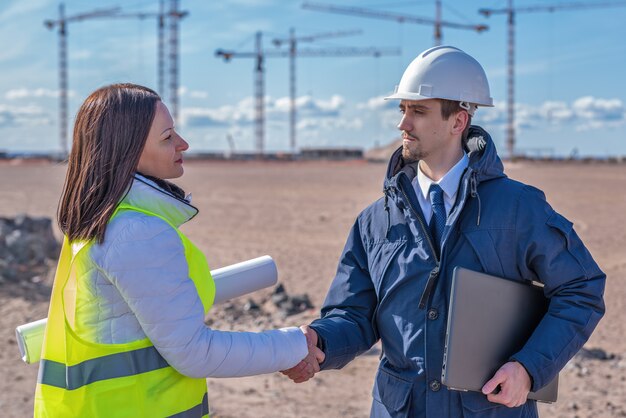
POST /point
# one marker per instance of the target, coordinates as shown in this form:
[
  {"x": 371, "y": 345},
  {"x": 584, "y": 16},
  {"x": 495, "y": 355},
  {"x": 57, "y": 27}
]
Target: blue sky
[{"x": 569, "y": 85}]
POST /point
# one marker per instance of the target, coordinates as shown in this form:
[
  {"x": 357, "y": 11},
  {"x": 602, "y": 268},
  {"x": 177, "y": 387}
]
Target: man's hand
[
  {"x": 514, "y": 384},
  {"x": 310, "y": 365}
]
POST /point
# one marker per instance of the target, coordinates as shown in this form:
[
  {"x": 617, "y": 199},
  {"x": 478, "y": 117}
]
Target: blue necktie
[{"x": 438, "y": 220}]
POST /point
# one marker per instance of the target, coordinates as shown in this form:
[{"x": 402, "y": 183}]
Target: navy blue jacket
[{"x": 391, "y": 286}]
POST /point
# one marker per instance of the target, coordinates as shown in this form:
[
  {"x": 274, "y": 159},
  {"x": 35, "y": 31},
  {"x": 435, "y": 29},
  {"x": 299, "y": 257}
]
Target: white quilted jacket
[{"x": 139, "y": 286}]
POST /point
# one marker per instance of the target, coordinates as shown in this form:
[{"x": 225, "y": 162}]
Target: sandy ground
[{"x": 300, "y": 214}]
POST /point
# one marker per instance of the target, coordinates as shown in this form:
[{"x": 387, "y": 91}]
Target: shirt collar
[{"x": 449, "y": 183}]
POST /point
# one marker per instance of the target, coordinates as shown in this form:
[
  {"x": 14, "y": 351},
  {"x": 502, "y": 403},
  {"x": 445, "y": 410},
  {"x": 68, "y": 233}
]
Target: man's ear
[{"x": 460, "y": 122}]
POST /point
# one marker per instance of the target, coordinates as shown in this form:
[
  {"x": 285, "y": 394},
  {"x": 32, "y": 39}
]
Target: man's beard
[{"x": 411, "y": 155}]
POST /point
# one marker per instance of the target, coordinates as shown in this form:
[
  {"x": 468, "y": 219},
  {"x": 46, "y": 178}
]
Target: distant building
[
  {"x": 383, "y": 153},
  {"x": 331, "y": 153}
]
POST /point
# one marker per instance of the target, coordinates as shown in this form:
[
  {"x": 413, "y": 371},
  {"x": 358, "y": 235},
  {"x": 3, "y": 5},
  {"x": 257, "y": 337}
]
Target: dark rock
[
  {"x": 28, "y": 254},
  {"x": 595, "y": 354},
  {"x": 251, "y": 305},
  {"x": 290, "y": 305}
]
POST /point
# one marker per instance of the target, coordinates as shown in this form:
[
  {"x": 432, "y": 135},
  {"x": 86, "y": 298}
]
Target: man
[{"x": 448, "y": 203}]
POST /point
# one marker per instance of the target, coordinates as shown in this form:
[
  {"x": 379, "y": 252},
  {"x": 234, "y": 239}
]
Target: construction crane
[
  {"x": 293, "y": 42},
  {"x": 160, "y": 18},
  {"x": 259, "y": 85},
  {"x": 400, "y": 18},
  {"x": 510, "y": 11},
  {"x": 115, "y": 13},
  {"x": 62, "y": 22},
  {"x": 175, "y": 15},
  {"x": 231, "y": 144}
]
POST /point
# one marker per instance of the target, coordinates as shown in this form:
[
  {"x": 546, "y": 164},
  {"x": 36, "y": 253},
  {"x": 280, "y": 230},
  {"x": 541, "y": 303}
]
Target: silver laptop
[{"x": 489, "y": 320}]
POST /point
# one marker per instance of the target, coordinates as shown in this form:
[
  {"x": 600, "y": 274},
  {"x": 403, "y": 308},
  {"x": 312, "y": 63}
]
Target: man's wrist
[
  {"x": 320, "y": 341},
  {"x": 530, "y": 376}
]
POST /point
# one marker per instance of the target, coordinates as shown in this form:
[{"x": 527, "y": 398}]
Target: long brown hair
[{"x": 110, "y": 132}]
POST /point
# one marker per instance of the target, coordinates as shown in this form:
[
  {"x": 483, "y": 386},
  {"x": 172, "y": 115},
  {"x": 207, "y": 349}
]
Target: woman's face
[{"x": 162, "y": 155}]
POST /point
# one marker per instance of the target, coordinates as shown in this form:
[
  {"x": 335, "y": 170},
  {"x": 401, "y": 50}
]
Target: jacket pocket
[
  {"x": 485, "y": 250},
  {"x": 380, "y": 257},
  {"x": 392, "y": 391},
  {"x": 573, "y": 244},
  {"x": 477, "y": 405}
]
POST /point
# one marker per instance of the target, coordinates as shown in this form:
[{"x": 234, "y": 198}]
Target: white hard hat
[{"x": 445, "y": 72}]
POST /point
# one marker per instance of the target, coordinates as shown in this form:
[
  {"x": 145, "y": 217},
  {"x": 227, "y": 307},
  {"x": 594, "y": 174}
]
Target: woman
[{"x": 126, "y": 333}]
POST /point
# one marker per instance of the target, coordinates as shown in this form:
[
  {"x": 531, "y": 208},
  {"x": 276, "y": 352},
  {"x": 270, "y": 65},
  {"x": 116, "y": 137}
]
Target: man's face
[{"x": 424, "y": 132}]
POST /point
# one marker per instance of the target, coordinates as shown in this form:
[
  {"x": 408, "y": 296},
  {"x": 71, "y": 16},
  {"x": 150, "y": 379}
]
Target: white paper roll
[
  {"x": 230, "y": 282},
  {"x": 243, "y": 278},
  {"x": 30, "y": 339}
]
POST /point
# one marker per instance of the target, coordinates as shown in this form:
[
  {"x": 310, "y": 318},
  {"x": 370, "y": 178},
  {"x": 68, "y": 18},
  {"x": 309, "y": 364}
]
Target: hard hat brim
[
  {"x": 417, "y": 97},
  {"x": 407, "y": 96}
]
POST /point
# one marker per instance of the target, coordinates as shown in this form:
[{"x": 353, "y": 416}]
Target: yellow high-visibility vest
[{"x": 78, "y": 378}]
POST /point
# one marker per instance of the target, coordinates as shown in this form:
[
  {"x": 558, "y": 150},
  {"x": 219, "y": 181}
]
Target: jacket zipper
[
  {"x": 421, "y": 221},
  {"x": 434, "y": 273}
]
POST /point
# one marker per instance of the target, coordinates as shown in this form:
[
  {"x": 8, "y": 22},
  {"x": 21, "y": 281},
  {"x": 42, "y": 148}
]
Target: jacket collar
[
  {"x": 483, "y": 159},
  {"x": 146, "y": 194}
]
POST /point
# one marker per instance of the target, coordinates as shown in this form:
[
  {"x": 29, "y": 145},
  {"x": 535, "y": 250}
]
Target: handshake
[{"x": 310, "y": 365}]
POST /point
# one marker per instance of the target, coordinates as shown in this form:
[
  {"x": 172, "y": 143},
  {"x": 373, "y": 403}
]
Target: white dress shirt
[{"x": 449, "y": 183}]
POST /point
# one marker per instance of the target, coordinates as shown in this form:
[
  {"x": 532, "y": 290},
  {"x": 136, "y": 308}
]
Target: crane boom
[
  {"x": 311, "y": 38},
  {"x": 293, "y": 46},
  {"x": 312, "y": 52},
  {"x": 510, "y": 11},
  {"x": 378, "y": 14},
  {"x": 51, "y": 23},
  {"x": 110, "y": 13},
  {"x": 552, "y": 7},
  {"x": 62, "y": 22},
  {"x": 259, "y": 55}
]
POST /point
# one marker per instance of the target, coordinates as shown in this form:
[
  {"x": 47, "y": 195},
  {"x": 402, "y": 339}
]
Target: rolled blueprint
[
  {"x": 243, "y": 278},
  {"x": 230, "y": 282},
  {"x": 30, "y": 340}
]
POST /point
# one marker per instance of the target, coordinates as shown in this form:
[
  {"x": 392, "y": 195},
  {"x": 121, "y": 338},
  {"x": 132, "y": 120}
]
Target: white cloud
[
  {"x": 599, "y": 109},
  {"x": 326, "y": 123},
  {"x": 30, "y": 115},
  {"x": 24, "y": 93},
  {"x": 599, "y": 113},
  {"x": 244, "y": 111},
  {"x": 195, "y": 94},
  {"x": 183, "y": 91},
  {"x": 217, "y": 117},
  {"x": 557, "y": 112},
  {"x": 378, "y": 103},
  {"x": 583, "y": 113},
  {"x": 331, "y": 132},
  {"x": 491, "y": 115},
  {"x": 308, "y": 106}
]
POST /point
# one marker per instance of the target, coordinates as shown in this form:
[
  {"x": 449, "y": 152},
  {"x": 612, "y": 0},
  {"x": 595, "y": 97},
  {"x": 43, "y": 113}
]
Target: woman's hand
[{"x": 310, "y": 365}]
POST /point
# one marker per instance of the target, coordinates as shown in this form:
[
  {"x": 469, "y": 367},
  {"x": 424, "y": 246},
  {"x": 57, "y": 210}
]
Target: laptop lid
[{"x": 489, "y": 320}]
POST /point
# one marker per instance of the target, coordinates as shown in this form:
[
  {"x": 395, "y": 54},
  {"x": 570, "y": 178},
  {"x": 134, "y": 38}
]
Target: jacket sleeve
[
  {"x": 550, "y": 251},
  {"x": 346, "y": 325},
  {"x": 146, "y": 262}
]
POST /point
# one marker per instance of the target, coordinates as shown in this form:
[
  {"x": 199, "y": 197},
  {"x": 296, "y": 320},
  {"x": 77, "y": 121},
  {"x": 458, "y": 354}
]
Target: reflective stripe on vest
[
  {"x": 199, "y": 410},
  {"x": 107, "y": 367},
  {"x": 81, "y": 378}
]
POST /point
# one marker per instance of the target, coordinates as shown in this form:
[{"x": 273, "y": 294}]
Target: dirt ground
[{"x": 300, "y": 214}]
